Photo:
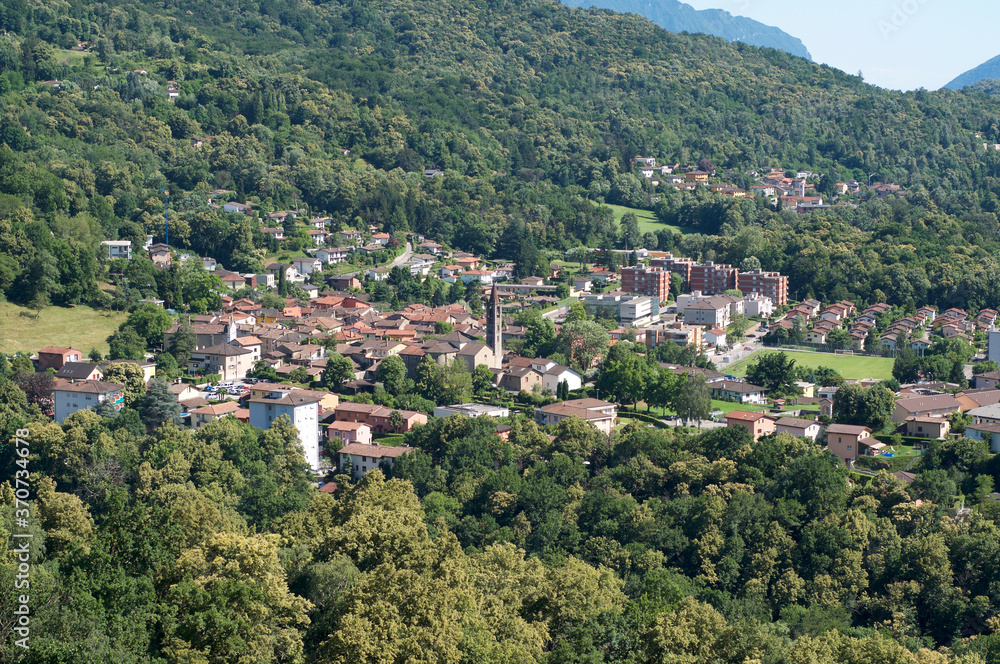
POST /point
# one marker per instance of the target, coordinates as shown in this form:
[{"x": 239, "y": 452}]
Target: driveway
[
  {"x": 403, "y": 257},
  {"x": 396, "y": 262}
]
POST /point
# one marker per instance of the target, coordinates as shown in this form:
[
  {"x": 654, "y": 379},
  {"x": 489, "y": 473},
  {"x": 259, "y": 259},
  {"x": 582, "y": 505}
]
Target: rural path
[
  {"x": 403, "y": 257},
  {"x": 396, "y": 262}
]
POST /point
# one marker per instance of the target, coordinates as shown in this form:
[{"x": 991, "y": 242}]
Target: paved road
[
  {"x": 736, "y": 355},
  {"x": 399, "y": 260},
  {"x": 403, "y": 257},
  {"x": 556, "y": 313}
]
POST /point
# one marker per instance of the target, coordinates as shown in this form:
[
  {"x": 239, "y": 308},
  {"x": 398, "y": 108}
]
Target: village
[{"x": 266, "y": 352}]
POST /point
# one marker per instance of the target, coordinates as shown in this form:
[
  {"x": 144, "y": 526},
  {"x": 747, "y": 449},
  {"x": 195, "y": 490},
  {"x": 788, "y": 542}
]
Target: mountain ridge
[
  {"x": 987, "y": 70},
  {"x": 677, "y": 16}
]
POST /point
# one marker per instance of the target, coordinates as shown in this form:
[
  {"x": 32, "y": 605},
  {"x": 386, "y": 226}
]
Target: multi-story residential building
[
  {"x": 651, "y": 281},
  {"x": 349, "y": 432},
  {"x": 711, "y": 278},
  {"x": 769, "y": 284},
  {"x": 118, "y": 249},
  {"x": 848, "y": 441},
  {"x": 685, "y": 335},
  {"x": 229, "y": 361},
  {"x": 675, "y": 265},
  {"x": 85, "y": 395},
  {"x": 202, "y": 416},
  {"x": 379, "y": 418},
  {"x": 302, "y": 409},
  {"x": 758, "y": 424},
  {"x": 711, "y": 311}
]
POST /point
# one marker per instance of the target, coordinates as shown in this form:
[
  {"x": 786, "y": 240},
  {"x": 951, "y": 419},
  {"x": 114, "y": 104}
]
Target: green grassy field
[
  {"x": 725, "y": 406},
  {"x": 647, "y": 220},
  {"x": 68, "y": 57},
  {"x": 78, "y": 327},
  {"x": 849, "y": 366}
]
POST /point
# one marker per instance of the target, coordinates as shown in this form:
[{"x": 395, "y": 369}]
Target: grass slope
[
  {"x": 78, "y": 327},
  {"x": 849, "y": 366},
  {"x": 648, "y": 223}
]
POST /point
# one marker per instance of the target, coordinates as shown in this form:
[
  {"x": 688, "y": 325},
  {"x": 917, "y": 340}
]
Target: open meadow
[
  {"x": 78, "y": 327},
  {"x": 849, "y": 366}
]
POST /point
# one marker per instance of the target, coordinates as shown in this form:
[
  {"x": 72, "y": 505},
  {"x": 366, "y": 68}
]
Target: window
[{"x": 849, "y": 447}]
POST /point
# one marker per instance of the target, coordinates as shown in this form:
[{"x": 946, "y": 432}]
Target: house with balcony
[
  {"x": 85, "y": 395},
  {"x": 597, "y": 413}
]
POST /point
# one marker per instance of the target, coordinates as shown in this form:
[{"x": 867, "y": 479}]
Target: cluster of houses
[
  {"x": 913, "y": 330},
  {"x": 920, "y": 411},
  {"x": 245, "y": 335},
  {"x": 792, "y": 193}
]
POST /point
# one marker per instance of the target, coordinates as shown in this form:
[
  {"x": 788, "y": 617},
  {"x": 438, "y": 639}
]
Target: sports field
[{"x": 849, "y": 366}]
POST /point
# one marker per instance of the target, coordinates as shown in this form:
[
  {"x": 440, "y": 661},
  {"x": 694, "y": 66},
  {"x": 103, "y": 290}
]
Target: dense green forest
[
  {"x": 153, "y": 544},
  {"x": 533, "y": 110}
]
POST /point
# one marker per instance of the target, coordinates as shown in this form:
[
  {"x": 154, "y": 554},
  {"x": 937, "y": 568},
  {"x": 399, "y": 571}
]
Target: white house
[
  {"x": 714, "y": 336},
  {"x": 85, "y": 395},
  {"x": 599, "y": 414},
  {"x": 333, "y": 255},
  {"x": 799, "y": 428},
  {"x": 307, "y": 264},
  {"x": 229, "y": 361},
  {"x": 365, "y": 458},
  {"x": 302, "y": 409},
  {"x": 554, "y": 375},
  {"x": 118, "y": 248},
  {"x": 232, "y": 206}
]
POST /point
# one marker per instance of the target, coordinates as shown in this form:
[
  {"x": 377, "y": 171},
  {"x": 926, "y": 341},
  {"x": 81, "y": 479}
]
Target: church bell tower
[{"x": 494, "y": 328}]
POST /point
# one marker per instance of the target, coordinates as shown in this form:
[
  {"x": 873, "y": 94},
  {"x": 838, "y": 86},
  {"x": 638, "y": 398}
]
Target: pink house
[{"x": 349, "y": 432}]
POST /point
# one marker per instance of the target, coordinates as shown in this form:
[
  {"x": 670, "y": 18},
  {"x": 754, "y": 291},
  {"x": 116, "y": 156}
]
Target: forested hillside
[
  {"x": 153, "y": 544},
  {"x": 166, "y": 545},
  {"x": 533, "y": 110},
  {"x": 677, "y": 16}
]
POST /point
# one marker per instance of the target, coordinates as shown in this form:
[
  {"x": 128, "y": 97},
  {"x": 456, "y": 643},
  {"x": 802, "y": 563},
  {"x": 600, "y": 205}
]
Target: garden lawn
[
  {"x": 78, "y": 327},
  {"x": 648, "y": 223},
  {"x": 849, "y": 366},
  {"x": 389, "y": 439}
]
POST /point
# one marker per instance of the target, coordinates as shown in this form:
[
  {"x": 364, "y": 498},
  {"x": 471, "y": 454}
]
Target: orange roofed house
[
  {"x": 597, "y": 413},
  {"x": 54, "y": 357},
  {"x": 848, "y": 441},
  {"x": 758, "y": 424},
  {"x": 365, "y": 458},
  {"x": 377, "y": 417}
]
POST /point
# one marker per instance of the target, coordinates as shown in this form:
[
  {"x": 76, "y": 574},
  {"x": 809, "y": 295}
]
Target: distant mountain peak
[
  {"x": 676, "y": 16},
  {"x": 987, "y": 70}
]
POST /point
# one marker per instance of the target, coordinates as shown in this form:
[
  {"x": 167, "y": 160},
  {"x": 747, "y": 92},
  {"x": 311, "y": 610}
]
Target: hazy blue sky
[{"x": 898, "y": 44}]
